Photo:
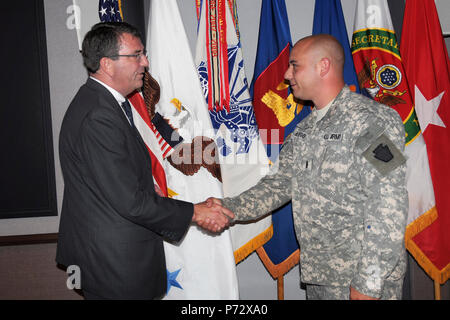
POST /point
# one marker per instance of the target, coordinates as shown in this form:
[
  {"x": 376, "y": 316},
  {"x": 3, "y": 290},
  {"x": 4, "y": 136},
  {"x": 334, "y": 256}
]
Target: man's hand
[
  {"x": 211, "y": 201},
  {"x": 356, "y": 295},
  {"x": 212, "y": 216}
]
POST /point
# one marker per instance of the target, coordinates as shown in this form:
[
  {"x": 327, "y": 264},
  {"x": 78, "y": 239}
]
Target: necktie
[{"x": 127, "y": 108}]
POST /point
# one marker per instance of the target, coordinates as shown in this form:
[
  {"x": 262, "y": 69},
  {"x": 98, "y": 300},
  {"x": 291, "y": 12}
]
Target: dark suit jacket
[{"x": 112, "y": 221}]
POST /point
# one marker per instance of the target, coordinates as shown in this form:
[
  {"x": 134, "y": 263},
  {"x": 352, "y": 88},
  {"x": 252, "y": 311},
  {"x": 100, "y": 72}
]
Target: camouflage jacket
[{"x": 345, "y": 175}]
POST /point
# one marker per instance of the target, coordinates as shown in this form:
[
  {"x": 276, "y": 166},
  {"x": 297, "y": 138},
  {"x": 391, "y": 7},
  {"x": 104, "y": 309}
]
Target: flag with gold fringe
[
  {"x": 329, "y": 19},
  {"x": 427, "y": 68},
  {"x": 381, "y": 75},
  {"x": 277, "y": 114},
  {"x": 201, "y": 266},
  {"x": 221, "y": 71}
]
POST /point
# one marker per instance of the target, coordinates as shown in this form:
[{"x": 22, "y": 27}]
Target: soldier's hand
[
  {"x": 212, "y": 216},
  {"x": 211, "y": 201}
]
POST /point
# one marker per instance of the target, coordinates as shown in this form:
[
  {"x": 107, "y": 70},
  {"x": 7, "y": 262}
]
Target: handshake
[{"x": 211, "y": 215}]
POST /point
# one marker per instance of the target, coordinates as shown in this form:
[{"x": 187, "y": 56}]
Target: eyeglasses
[{"x": 137, "y": 56}]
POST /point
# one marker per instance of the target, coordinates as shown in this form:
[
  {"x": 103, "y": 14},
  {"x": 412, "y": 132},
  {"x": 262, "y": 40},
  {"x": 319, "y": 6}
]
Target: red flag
[
  {"x": 152, "y": 138},
  {"x": 427, "y": 68}
]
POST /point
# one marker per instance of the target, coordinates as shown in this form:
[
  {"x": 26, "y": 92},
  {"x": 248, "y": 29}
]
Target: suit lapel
[{"x": 111, "y": 101}]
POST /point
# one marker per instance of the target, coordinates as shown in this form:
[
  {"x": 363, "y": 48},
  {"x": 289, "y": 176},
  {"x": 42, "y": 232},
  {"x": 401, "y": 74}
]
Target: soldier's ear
[{"x": 324, "y": 65}]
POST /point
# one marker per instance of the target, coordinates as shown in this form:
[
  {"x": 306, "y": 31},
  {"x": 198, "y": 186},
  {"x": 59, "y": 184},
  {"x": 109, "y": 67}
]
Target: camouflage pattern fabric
[
  {"x": 392, "y": 290},
  {"x": 345, "y": 175}
]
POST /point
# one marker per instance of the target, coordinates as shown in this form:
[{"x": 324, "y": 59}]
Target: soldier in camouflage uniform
[{"x": 344, "y": 170}]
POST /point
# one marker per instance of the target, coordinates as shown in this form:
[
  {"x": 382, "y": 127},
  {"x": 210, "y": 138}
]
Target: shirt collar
[
  {"x": 118, "y": 96},
  {"x": 320, "y": 113}
]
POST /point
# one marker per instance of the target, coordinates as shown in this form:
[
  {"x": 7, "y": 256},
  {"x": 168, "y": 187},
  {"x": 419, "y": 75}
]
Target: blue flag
[
  {"x": 109, "y": 11},
  {"x": 277, "y": 114},
  {"x": 329, "y": 19}
]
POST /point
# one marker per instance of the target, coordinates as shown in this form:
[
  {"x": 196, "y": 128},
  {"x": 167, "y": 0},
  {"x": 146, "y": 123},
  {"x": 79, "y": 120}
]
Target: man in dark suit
[{"x": 112, "y": 221}]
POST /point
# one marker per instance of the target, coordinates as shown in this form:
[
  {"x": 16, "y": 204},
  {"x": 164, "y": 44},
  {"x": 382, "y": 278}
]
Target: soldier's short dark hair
[{"x": 103, "y": 40}]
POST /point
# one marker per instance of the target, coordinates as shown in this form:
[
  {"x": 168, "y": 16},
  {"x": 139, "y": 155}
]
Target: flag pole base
[
  {"x": 437, "y": 290},
  {"x": 280, "y": 285}
]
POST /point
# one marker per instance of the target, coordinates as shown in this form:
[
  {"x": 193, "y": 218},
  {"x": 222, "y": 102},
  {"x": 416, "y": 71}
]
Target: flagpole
[
  {"x": 437, "y": 290},
  {"x": 280, "y": 283}
]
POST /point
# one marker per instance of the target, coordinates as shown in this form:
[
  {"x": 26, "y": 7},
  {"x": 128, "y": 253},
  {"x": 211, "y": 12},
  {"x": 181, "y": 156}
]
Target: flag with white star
[
  {"x": 109, "y": 10},
  {"x": 381, "y": 74},
  {"x": 202, "y": 265},
  {"x": 427, "y": 68},
  {"x": 86, "y": 13}
]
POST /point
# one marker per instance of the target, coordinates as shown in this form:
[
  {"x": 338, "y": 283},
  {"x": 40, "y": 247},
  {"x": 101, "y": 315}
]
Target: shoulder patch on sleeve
[{"x": 379, "y": 150}]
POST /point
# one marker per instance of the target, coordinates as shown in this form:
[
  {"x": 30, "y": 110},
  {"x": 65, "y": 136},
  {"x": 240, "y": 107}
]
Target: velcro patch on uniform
[
  {"x": 384, "y": 155},
  {"x": 367, "y": 138}
]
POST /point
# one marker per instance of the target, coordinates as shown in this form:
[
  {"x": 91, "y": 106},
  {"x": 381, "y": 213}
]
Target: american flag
[
  {"x": 109, "y": 10},
  {"x": 152, "y": 138},
  {"x": 163, "y": 134}
]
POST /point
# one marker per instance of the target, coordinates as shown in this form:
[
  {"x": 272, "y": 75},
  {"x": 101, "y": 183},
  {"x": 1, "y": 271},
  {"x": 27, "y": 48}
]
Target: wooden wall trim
[{"x": 28, "y": 239}]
